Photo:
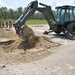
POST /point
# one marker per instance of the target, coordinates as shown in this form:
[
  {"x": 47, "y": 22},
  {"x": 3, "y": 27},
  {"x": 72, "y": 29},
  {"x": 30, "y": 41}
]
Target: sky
[{"x": 14, "y": 4}]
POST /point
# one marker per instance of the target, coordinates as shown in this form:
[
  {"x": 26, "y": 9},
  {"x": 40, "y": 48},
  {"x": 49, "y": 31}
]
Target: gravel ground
[{"x": 61, "y": 62}]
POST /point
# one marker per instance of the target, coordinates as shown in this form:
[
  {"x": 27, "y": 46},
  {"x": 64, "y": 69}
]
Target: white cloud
[
  {"x": 24, "y": 3},
  {"x": 16, "y": 2},
  {"x": 54, "y": 3},
  {"x": 63, "y": 2},
  {"x": 2, "y": 3}
]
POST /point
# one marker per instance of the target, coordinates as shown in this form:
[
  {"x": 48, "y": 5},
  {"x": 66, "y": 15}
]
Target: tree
[
  {"x": 11, "y": 13},
  {"x": 15, "y": 14},
  {"x": 3, "y": 12},
  {"x": 19, "y": 11}
]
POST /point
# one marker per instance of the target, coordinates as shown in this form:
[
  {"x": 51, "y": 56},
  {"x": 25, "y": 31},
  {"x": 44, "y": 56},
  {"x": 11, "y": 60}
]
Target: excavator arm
[
  {"x": 47, "y": 12},
  {"x": 29, "y": 11}
]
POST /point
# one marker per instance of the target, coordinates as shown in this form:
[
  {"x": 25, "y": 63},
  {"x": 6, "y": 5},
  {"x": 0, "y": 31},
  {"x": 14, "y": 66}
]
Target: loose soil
[{"x": 17, "y": 50}]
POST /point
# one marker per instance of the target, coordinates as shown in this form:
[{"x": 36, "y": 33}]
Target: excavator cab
[
  {"x": 65, "y": 21},
  {"x": 65, "y": 14}
]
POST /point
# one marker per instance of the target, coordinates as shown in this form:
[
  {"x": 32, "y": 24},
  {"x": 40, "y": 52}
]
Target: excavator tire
[
  {"x": 71, "y": 28},
  {"x": 57, "y": 32},
  {"x": 57, "y": 29}
]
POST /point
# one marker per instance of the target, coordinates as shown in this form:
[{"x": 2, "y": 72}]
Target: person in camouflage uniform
[
  {"x": 10, "y": 23},
  {"x": 6, "y": 24},
  {"x": 3, "y": 24},
  {"x": 0, "y": 23}
]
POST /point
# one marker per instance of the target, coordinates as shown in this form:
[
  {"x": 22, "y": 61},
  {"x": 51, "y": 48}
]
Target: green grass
[{"x": 36, "y": 22}]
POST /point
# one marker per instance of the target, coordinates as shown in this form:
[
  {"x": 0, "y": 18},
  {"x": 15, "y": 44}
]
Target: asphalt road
[{"x": 62, "y": 62}]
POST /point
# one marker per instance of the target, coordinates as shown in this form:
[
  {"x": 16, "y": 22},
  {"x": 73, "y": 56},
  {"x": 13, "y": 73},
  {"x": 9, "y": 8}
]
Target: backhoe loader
[{"x": 63, "y": 22}]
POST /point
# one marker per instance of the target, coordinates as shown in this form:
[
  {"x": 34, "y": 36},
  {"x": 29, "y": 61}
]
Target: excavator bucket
[{"x": 27, "y": 35}]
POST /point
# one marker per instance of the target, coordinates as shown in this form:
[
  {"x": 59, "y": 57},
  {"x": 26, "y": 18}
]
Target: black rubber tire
[
  {"x": 57, "y": 32},
  {"x": 71, "y": 28},
  {"x": 57, "y": 29}
]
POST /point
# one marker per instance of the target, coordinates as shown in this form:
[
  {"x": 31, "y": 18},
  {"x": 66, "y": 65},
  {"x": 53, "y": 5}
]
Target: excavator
[{"x": 64, "y": 21}]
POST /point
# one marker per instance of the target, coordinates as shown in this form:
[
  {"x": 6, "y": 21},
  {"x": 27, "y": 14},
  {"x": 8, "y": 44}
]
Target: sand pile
[
  {"x": 6, "y": 33},
  {"x": 17, "y": 50}
]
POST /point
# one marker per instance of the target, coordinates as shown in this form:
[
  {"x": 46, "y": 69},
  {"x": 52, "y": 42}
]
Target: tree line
[{"x": 6, "y": 14}]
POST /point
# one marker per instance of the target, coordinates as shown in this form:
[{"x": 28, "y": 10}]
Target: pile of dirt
[
  {"x": 6, "y": 33},
  {"x": 18, "y": 50}
]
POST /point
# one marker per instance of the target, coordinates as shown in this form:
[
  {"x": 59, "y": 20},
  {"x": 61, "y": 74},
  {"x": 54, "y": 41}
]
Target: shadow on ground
[{"x": 60, "y": 36}]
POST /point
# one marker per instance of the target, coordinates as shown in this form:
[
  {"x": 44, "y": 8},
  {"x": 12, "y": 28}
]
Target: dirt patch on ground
[{"x": 16, "y": 50}]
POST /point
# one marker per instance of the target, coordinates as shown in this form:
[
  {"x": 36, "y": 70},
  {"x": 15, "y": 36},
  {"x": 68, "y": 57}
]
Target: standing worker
[
  {"x": 6, "y": 24},
  {"x": 2, "y": 24},
  {"x": 10, "y": 23}
]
